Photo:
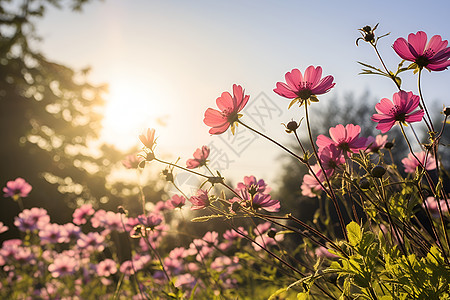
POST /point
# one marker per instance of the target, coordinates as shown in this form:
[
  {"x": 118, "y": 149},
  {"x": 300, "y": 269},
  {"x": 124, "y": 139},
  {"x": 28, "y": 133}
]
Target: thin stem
[
  {"x": 182, "y": 168},
  {"x": 333, "y": 195},
  {"x": 422, "y": 105}
]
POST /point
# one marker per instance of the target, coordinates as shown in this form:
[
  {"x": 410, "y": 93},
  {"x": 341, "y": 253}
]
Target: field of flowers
[{"x": 396, "y": 245}]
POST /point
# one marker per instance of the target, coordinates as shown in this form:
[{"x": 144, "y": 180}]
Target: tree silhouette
[{"x": 49, "y": 118}]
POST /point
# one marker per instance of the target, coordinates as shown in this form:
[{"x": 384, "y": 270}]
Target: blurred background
[{"x": 80, "y": 80}]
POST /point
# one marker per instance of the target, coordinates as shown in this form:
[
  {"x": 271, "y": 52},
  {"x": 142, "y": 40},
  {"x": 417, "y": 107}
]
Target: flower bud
[
  {"x": 389, "y": 145},
  {"x": 378, "y": 171},
  {"x": 235, "y": 206},
  {"x": 364, "y": 184},
  {"x": 271, "y": 233},
  {"x": 447, "y": 111}
]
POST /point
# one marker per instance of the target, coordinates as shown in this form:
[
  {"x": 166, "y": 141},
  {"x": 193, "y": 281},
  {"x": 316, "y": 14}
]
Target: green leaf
[
  {"x": 354, "y": 233},
  {"x": 303, "y": 296}
]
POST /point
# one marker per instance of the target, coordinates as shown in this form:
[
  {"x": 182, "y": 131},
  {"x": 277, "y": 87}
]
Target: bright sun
[{"x": 131, "y": 107}]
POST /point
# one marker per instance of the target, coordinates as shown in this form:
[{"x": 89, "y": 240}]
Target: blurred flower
[
  {"x": 324, "y": 253},
  {"x": 229, "y": 111},
  {"x": 92, "y": 241},
  {"x": 200, "y": 201},
  {"x": 52, "y": 234},
  {"x": 200, "y": 156},
  {"x": 31, "y": 219},
  {"x": 411, "y": 163},
  {"x": 262, "y": 238},
  {"x": 148, "y": 139},
  {"x": 127, "y": 268},
  {"x": 398, "y": 110},
  {"x": 301, "y": 88},
  {"x": 3, "y": 228},
  {"x": 132, "y": 161},
  {"x": 176, "y": 202},
  {"x": 17, "y": 188},
  {"x": 433, "y": 55},
  {"x": 106, "y": 267},
  {"x": 150, "y": 221},
  {"x": 80, "y": 214},
  {"x": 375, "y": 144},
  {"x": 345, "y": 138},
  {"x": 63, "y": 265}
]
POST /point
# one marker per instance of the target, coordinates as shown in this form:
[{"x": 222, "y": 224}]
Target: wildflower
[
  {"x": 331, "y": 157},
  {"x": 302, "y": 88},
  {"x": 231, "y": 235},
  {"x": 200, "y": 201},
  {"x": 432, "y": 205},
  {"x": 106, "y": 267},
  {"x": 229, "y": 111},
  {"x": 411, "y": 163},
  {"x": 263, "y": 238},
  {"x": 200, "y": 156},
  {"x": 310, "y": 186},
  {"x": 345, "y": 138},
  {"x": 52, "y": 234},
  {"x": 253, "y": 186},
  {"x": 148, "y": 139},
  {"x": 375, "y": 144},
  {"x": 3, "y": 228},
  {"x": 63, "y": 265},
  {"x": 132, "y": 161},
  {"x": 80, "y": 214},
  {"x": 31, "y": 219},
  {"x": 176, "y": 202},
  {"x": 16, "y": 189},
  {"x": 433, "y": 55},
  {"x": 324, "y": 253},
  {"x": 399, "y": 110},
  {"x": 150, "y": 221},
  {"x": 92, "y": 241}
]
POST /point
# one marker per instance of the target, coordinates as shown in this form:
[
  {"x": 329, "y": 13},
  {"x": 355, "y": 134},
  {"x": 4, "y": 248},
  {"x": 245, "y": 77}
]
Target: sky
[{"x": 167, "y": 61}]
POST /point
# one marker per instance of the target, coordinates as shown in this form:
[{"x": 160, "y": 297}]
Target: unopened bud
[
  {"x": 389, "y": 145},
  {"x": 447, "y": 111},
  {"x": 235, "y": 206},
  {"x": 364, "y": 184},
  {"x": 271, "y": 233},
  {"x": 378, "y": 171}
]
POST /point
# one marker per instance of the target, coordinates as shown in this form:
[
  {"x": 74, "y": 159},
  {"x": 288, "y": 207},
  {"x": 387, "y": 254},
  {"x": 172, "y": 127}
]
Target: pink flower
[
  {"x": 132, "y": 161},
  {"x": 331, "y": 157},
  {"x": 375, "y": 144},
  {"x": 148, "y": 139},
  {"x": 253, "y": 185},
  {"x": 17, "y": 188},
  {"x": 80, "y": 214},
  {"x": 263, "y": 238},
  {"x": 150, "y": 221},
  {"x": 53, "y": 234},
  {"x": 176, "y": 202},
  {"x": 310, "y": 186},
  {"x": 301, "y": 88},
  {"x": 3, "y": 228},
  {"x": 200, "y": 201},
  {"x": 324, "y": 253},
  {"x": 200, "y": 156},
  {"x": 433, "y": 55},
  {"x": 400, "y": 110},
  {"x": 106, "y": 267},
  {"x": 31, "y": 219},
  {"x": 63, "y": 265},
  {"x": 92, "y": 241},
  {"x": 433, "y": 207},
  {"x": 411, "y": 163},
  {"x": 229, "y": 111},
  {"x": 345, "y": 138}
]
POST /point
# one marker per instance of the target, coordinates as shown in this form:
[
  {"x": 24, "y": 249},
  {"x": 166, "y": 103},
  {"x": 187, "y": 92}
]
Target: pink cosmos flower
[
  {"x": 17, "y": 188},
  {"x": 229, "y": 111},
  {"x": 410, "y": 163},
  {"x": 331, "y": 157},
  {"x": 106, "y": 267},
  {"x": 433, "y": 55},
  {"x": 252, "y": 184},
  {"x": 231, "y": 235},
  {"x": 31, "y": 219},
  {"x": 200, "y": 201},
  {"x": 132, "y": 161},
  {"x": 301, "y": 88},
  {"x": 53, "y": 234},
  {"x": 176, "y": 202},
  {"x": 400, "y": 110},
  {"x": 375, "y": 144},
  {"x": 150, "y": 221},
  {"x": 80, "y": 214},
  {"x": 3, "y": 228},
  {"x": 324, "y": 253},
  {"x": 148, "y": 139},
  {"x": 310, "y": 186},
  {"x": 92, "y": 241},
  {"x": 263, "y": 238},
  {"x": 63, "y": 265},
  {"x": 345, "y": 138},
  {"x": 200, "y": 156}
]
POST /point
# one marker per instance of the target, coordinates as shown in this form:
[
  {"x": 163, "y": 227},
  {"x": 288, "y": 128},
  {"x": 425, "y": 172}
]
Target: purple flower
[
  {"x": 31, "y": 219},
  {"x": 17, "y": 188}
]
